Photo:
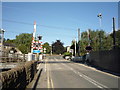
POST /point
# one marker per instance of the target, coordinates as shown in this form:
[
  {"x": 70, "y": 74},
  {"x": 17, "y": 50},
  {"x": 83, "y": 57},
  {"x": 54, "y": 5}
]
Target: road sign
[{"x": 36, "y": 51}]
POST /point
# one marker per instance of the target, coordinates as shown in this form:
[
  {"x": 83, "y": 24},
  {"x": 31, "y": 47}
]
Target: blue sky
[{"x": 57, "y": 20}]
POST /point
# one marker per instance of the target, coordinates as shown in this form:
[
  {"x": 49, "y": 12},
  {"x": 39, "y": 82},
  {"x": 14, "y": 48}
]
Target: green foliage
[
  {"x": 10, "y": 41},
  {"x": 95, "y": 38},
  {"x": 118, "y": 38},
  {"x": 67, "y": 54},
  {"x": 22, "y": 42},
  {"x": 57, "y": 47},
  {"x": 117, "y": 34},
  {"x": 48, "y": 48},
  {"x": 23, "y": 48}
]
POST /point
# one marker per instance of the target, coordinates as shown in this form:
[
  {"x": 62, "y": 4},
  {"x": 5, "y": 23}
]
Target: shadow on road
[{"x": 52, "y": 62}]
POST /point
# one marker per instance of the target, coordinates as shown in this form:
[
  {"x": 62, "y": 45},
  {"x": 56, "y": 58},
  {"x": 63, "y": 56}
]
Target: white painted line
[
  {"x": 52, "y": 85},
  {"x": 94, "y": 82},
  {"x": 48, "y": 79},
  {"x": 45, "y": 66},
  {"x": 97, "y": 70},
  {"x": 99, "y": 85},
  {"x": 50, "y": 82}
]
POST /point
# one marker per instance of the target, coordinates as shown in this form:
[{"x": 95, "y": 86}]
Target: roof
[{"x": 9, "y": 44}]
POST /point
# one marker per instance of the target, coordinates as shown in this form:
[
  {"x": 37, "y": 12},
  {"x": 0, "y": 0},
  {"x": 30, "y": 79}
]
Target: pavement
[{"x": 56, "y": 72}]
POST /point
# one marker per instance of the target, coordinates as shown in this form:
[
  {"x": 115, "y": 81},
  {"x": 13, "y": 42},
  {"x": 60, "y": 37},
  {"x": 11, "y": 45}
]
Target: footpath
[{"x": 40, "y": 79}]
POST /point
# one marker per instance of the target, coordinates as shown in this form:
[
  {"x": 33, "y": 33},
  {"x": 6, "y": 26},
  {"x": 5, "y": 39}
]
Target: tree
[
  {"x": 10, "y": 41},
  {"x": 117, "y": 37},
  {"x": 23, "y": 42},
  {"x": 48, "y": 48},
  {"x": 57, "y": 47},
  {"x": 94, "y": 40}
]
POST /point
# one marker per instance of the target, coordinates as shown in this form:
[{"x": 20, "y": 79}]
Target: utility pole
[
  {"x": 51, "y": 50},
  {"x": 78, "y": 42},
  {"x": 2, "y": 39},
  {"x": 114, "y": 44},
  {"x": 88, "y": 32},
  {"x": 75, "y": 46}
]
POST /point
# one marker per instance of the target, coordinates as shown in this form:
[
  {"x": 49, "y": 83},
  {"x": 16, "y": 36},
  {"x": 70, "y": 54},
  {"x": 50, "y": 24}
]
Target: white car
[{"x": 67, "y": 57}]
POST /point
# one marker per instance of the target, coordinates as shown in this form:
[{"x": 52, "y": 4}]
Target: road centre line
[
  {"x": 52, "y": 85},
  {"x": 49, "y": 80},
  {"x": 45, "y": 66},
  {"x": 99, "y": 85}
]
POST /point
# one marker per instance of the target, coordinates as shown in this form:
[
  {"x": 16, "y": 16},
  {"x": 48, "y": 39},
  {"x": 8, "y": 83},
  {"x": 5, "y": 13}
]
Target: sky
[{"x": 57, "y": 20}]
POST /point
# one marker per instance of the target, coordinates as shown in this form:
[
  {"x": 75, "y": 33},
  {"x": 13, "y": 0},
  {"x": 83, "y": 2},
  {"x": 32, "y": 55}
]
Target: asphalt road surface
[{"x": 60, "y": 73}]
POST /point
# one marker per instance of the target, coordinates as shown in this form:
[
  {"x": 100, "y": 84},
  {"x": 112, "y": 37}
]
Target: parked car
[
  {"x": 77, "y": 59},
  {"x": 83, "y": 59},
  {"x": 67, "y": 57}
]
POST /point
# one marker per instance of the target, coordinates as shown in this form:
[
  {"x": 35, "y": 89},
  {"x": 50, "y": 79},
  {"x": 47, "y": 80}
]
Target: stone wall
[{"x": 18, "y": 77}]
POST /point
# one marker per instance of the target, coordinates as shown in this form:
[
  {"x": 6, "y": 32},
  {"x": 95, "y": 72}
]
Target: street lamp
[{"x": 100, "y": 20}]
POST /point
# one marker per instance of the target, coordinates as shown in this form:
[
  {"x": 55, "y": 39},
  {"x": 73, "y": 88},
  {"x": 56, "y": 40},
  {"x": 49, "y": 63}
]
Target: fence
[{"x": 8, "y": 57}]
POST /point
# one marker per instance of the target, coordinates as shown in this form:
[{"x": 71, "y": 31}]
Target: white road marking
[
  {"x": 99, "y": 85},
  {"x": 38, "y": 66},
  {"x": 97, "y": 70},
  {"x": 52, "y": 86},
  {"x": 45, "y": 66},
  {"x": 49, "y": 80}
]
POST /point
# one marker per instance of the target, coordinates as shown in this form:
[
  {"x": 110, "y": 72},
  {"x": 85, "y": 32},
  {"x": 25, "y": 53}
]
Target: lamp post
[{"x": 100, "y": 21}]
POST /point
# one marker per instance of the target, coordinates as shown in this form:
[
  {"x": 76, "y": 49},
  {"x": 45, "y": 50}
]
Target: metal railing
[{"x": 8, "y": 57}]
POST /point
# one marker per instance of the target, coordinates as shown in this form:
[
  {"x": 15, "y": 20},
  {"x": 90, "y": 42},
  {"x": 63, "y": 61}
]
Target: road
[{"x": 60, "y": 73}]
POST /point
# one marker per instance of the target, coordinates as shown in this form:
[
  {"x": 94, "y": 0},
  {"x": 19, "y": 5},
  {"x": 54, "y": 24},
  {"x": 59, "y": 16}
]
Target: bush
[{"x": 67, "y": 54}]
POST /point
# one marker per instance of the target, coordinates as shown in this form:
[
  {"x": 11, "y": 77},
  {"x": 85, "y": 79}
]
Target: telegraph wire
[
  {"x": 46, "y": 26},
  {"x": 54, "y": 27},
  {"x": 55, "y": 34},
  {"x": 7, "y": 20}
]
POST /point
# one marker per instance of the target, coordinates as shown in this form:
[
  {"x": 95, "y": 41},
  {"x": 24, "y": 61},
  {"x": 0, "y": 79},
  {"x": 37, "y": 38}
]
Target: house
[{"x": 11, "y": 48}]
